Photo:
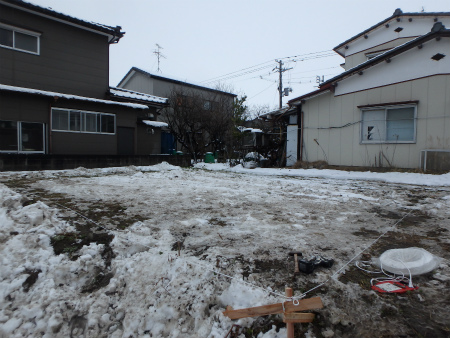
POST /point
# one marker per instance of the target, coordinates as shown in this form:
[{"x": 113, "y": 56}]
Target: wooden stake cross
[
  {"x": 304, "y": 304},
  {"x": 289, "y": 310}
]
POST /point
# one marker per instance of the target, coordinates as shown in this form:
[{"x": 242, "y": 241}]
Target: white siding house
[{"x": 391, "y": 107}]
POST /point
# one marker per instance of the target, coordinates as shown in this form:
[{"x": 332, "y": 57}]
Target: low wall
[{"x": 23, "y": 162}]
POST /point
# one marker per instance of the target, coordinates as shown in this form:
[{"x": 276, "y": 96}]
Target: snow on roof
[
  {"x": 252, "y": 130},
  {"x": 113, "y": 31},
  {"x": 69, "y": 96},
  {"x": 130, "y": 94},
  {"x": 156, "y": 124}
]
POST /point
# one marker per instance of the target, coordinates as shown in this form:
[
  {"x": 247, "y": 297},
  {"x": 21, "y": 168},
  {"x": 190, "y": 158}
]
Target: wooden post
[{"x": 289, "y": 326}]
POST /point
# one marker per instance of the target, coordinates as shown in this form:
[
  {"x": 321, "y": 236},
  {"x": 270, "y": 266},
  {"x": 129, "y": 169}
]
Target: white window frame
[
  {"x": 22, "y": 31},
  {"x": 19, "y": 140},
  {"x": 363, "y": 140},
  {"x": 83, "y": 121}
]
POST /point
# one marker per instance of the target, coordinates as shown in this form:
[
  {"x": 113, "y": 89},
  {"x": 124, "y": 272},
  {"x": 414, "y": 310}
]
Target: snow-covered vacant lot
[{"x": 140, "y": 252}]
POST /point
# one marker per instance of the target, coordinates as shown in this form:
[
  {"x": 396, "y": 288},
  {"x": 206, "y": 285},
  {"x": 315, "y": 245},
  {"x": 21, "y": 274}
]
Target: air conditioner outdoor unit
[{"x": 435, "y": 160}]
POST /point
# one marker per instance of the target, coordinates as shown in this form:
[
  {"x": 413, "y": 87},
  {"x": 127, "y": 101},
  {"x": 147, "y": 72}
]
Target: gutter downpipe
[{"x": 300, "y": 158}]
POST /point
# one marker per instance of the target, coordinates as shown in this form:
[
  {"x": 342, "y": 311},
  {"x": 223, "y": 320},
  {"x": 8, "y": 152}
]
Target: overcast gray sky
[{"x": 204, "y": 40}]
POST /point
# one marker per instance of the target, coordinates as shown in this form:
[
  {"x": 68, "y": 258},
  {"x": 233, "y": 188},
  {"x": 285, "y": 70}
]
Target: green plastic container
[{"x": 209, "y": 158}]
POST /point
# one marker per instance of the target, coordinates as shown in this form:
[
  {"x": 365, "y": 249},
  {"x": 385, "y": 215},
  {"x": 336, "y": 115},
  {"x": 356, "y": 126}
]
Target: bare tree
[
  {"x": 199, "y": 120},
  {"x": 274, "y": 146}
]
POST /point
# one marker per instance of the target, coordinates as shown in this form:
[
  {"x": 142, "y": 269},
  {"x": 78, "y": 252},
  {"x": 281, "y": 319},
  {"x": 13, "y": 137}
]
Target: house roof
[
  {"x": 170, "y": 79},
  {"x": 68, "y": 96},
  {"x": 114, "y": 33},
  {"x": 437, "y": 31},
  {"x": 397, "y": 13},
  {"x": 125, "y": 94},
  {"x": 310, "y": 94},
  {"x": 275, "y": 113}
]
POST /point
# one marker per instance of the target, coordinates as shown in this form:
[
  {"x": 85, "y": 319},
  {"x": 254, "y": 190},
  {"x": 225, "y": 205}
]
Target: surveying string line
[
  {"x": 356, "y": 256},
  {"x": 294, "y": 299}
]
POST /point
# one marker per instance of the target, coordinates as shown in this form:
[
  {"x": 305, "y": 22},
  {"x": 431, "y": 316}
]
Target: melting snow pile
[{"x": 150, "y": 294}]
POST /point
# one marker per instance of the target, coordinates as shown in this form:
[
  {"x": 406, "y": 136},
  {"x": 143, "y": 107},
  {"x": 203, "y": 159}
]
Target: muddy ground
[{"x": 248, "y": 224}]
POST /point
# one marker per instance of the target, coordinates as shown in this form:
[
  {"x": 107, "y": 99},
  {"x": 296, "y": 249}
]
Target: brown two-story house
[{"x": 54, "y": 88}]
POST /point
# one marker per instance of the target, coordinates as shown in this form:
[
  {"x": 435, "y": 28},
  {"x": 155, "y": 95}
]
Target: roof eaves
[
  {"x": 310, "y": 94},
  {"x": 180, "y": 82},
  {"x": 57, "y": 96},
  {"x": 397, "y": 13},
  {"x": 127, "y": 95},
  {"x": 114, "y": 32},
  {"x": 437, "y": 30}
]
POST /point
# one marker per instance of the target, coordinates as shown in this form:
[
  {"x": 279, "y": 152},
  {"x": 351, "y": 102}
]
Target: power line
[
  {"x": 218, "y": 77},
  {"x": 261, "y": 91},
  {"x": 258, "y": 67}
]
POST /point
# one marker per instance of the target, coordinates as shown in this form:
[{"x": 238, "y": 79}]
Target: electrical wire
[{"x": 258, "y": 67}]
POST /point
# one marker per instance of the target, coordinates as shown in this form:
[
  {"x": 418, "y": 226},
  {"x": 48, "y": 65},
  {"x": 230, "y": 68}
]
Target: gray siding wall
[
  {"x": 30, "y": 108},
  {"x": 342, "y": 146},
  {"x": 148, "y": 142},
  {"x": 18, "y": 107},
  {"x": 83, "y": 144},
  {"x": 71, "y": 60}
]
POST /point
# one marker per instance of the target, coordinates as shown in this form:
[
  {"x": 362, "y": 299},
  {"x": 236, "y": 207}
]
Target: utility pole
[
  {"x": 281, "y": 70},
  {"x": 159, "y": 55}
]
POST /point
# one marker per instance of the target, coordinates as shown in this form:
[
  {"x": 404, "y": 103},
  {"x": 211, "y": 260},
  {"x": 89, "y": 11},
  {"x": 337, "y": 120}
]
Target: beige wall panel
[
  {"x": 374, "y": 96},
  {"x": 419, "y": 91},
  {"x": 140, "y": 83},
  {"x": 342, "y": 145},
  {"x": 347, "y": 142},
  {"x": 403, "y": 91},
  {"x": 436, "y": 133},
  {"x": 388, "y": 94},
  {"x": 335, "y": 144},
  {"x": 324, "y": 122}
]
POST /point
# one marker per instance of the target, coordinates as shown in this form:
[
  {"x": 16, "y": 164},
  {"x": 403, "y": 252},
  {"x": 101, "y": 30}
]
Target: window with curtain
[{"x": 389, "y": 124}]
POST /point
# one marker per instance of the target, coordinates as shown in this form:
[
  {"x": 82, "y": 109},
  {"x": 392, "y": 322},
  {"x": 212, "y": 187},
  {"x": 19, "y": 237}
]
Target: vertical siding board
[
  {"x": 346, "y": 135},
  {"x": 436, "y": 108}
]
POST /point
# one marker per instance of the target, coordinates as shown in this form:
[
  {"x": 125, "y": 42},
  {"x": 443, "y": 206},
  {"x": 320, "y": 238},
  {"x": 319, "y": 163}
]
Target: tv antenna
[{"x": 159, "y": 55}]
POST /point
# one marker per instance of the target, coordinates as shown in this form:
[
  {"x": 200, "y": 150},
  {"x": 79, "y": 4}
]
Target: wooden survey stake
[
  {"x": 289, "y": 325},
  {"x": 298, "y": 317},
  {"x": 303, "y": 305}
]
